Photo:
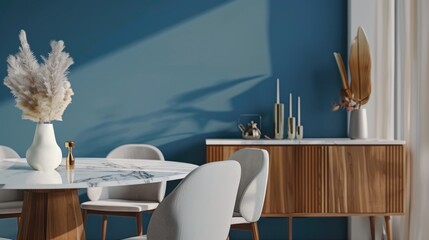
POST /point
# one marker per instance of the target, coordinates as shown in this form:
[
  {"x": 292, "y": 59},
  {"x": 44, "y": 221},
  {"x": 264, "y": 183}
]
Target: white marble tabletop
[{"x": 91, "y": 172}]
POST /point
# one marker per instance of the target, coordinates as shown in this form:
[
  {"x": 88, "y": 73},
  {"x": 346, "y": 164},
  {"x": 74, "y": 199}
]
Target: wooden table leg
[
  {"x": 290, "y": 228},
  {"x": 388, "y": 222},
  {"x": 372, "y": 226},
  {"x": 51, "y": 214}
]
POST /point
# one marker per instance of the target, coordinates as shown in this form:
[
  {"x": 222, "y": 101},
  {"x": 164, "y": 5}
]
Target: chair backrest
[
  {"x": 9, "y": 195},
  {"x": 200, "y": 207},
  {"x": 146, "y": 192},
  {"x": 253, "y": 183}
]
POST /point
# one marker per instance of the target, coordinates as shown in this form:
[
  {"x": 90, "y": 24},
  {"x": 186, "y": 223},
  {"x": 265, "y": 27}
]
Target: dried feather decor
[
  {"x": 42, "y": 91},
  {"x": 358, "y": 93}
]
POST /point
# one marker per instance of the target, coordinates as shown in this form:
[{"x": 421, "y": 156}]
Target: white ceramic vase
[
  {"x": 358, "y": 128},
  {"x": 44, "y": 154}
]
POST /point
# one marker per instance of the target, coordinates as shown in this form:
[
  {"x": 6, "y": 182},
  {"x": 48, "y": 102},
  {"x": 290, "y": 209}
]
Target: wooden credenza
[{"x": 328, "y": 177}]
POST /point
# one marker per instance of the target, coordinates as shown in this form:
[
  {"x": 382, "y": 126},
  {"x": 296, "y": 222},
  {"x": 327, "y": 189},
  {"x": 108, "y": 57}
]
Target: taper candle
[
  {"x": 299, "y": 111},
  {"x": 290, "y": 104},
  {"x": 278, "y": 91}
]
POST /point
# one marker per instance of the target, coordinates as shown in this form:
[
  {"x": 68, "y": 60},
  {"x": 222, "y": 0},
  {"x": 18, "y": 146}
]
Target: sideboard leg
[
  {"x": 290, "y": 228},
  {"x": 372, "y": 226},
  {"x": 388, "y": 222}
]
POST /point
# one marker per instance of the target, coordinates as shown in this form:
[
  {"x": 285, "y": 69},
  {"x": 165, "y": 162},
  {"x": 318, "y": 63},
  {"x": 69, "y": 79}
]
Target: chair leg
[
  {"x": 139, "y": 224},
  {"x": 248, "y": 226},
  {"x": 18, "y": 220},
  {"x": 104, "y": 227},
  {"x": 84, "y": 217},
  {"x": 255, "y": 232}
]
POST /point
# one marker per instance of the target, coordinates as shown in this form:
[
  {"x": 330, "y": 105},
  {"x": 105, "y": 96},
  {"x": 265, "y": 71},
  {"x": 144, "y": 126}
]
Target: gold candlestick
[
  {"x": 70, "y": 159},
  {"x": 300, "y": 132},
  {"x": 278, "y": 120},
  {"x": 291, "y": 128}
]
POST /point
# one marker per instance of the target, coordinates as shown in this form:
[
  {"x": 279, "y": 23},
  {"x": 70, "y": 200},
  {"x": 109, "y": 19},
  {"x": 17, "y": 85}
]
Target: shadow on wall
[
  {"x": 166, "y": 124},
  {"x": 180, "y": 85},
  {"x": 156, "y": 54}
]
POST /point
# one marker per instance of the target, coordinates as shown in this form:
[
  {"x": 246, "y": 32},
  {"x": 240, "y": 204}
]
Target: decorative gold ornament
[{"x": 70, "y": 159}]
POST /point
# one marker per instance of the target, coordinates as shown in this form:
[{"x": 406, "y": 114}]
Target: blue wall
[{"x": 173, "y": 73}]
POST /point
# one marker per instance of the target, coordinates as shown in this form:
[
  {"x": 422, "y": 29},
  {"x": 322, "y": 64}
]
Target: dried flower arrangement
[
  {"x": 42, "y": 91},
  {"x": 358, "y": 93}
]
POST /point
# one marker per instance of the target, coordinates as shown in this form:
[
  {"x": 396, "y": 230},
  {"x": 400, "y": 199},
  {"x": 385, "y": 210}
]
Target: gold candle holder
[
  {"x": 70, "y": 159},
  {"x": 291, "y": 128},
  {"x": 278, "y": 120}
]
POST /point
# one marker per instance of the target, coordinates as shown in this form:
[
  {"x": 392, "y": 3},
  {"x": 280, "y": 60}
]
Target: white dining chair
[
  {"x": 126, "y": 200},
  {"x": 251, "y": 192},
  {"x": 10, "y": 200},
  {"x": 200, "y": 207}
]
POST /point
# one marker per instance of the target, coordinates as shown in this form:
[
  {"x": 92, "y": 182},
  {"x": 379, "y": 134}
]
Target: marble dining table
[{"x": 51, "y": 208}]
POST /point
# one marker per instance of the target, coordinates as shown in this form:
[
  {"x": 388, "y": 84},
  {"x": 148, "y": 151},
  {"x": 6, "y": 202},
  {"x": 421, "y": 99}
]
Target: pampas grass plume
[{"x": 42, "y": 91}]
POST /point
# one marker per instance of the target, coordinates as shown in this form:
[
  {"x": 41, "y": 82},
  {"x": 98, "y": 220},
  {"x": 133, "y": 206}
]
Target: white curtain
[
  {"x": 412, "y": 118},
  {"x": 384, "y": 71},
  {"x": 398, "y": 32}
]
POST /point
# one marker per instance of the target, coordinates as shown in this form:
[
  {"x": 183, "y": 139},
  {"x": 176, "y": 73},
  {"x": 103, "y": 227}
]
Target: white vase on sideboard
[{"x": 358, "y": 128}]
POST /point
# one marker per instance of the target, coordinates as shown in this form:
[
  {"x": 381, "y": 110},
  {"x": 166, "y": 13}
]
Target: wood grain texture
[
  {"x": 357, "y": 179},
  {"x": 388, "y": 222},
  {"x": 327, "y": 180},
  {"x": 310, "y": 195},
  {"x": 396, "y": 180},
  {"x": 51, "y": 214},
  {"x": 281, "y": 184}
]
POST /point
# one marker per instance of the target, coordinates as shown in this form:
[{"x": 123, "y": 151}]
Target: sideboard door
[
  {"x": 357, "y": 179},
  {"x": 279, "y": 199}
]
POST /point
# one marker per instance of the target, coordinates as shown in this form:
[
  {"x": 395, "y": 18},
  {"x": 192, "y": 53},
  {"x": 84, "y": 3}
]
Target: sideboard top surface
[{"x": 307, "y": 141}]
